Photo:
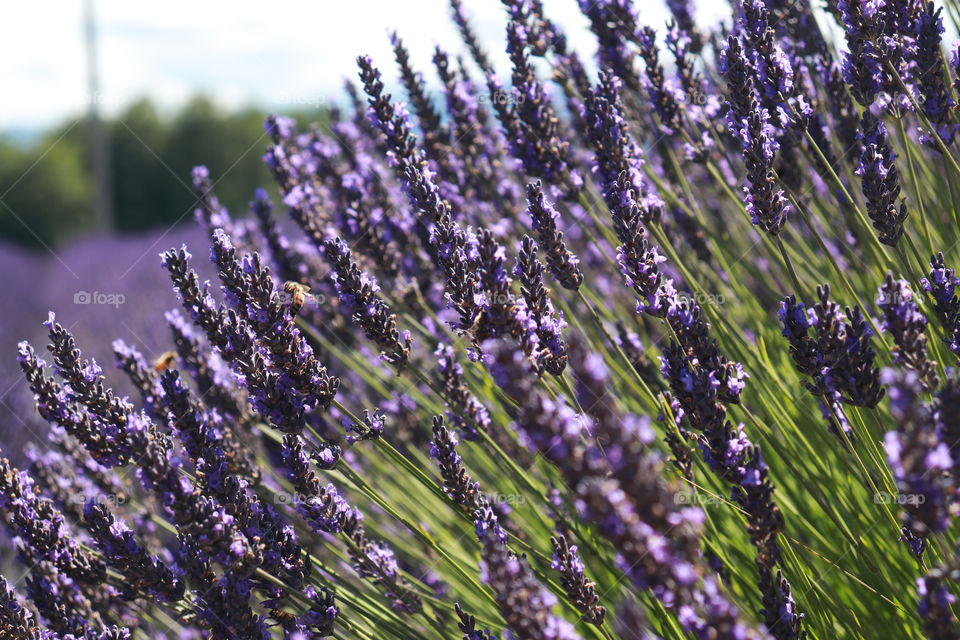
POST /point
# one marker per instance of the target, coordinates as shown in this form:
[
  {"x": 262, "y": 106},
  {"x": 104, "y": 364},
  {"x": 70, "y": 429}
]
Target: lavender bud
[
  {"x": 766, "y": 204},
  {"x": 549, "y": 323},
  {"x": 16, "y": 621},
  {"x": 580, "y": 590},
  {"x": 524, "y": 603},
  {"x": 456, "y": 482},
  {"x": 903, "y": 320},
  {"x": 942, "y": 285},
  {"x": 562, "y": 262},
  {"x": 863, "y": 64},
  {"x": 358, "y": 293},
  {"x": 932, "y": 92},
  {"x": 143, "y": 574},
  {"x": 838, "y": 357},
  {"x": 880, "y": 181},
  {"x": 468, "y": 625},
  {"x": 918, "y": 456},
  {"x": 469, "y": 37},
  {"x": 935, "y": 602},
  {"x": 664, "y": 99},
  {"x": 465, "y": 411},
  {"x": 537, "y": 142}
]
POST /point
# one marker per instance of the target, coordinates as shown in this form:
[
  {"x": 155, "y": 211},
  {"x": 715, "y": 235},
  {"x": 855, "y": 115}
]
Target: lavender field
[
  {"x": 103, "y": 288},
  {"x": 660, "y": 342}
]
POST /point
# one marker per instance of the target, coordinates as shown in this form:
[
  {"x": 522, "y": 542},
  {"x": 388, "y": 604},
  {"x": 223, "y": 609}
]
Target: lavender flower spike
[
  {"x": 880, "y": 181},
  {"x": 562, "y": 262},
  {"x": 941, "y": 284},
  {"x": 932, "y": 92},
  {"x": 143, "y": 574},
  {"x": 903, "y": 320},
  {"x": 538, "y": 142},
  {"x": 358, "y": 293},
  {"x": 457, "y": 483},
  {"x": 766, "y": 204},
  {"x": 580, "y": 590},
  {"x": 524, "y": 603},
  {"x": 468, "y": 625},
  {"x": 918, "y": 456},
  {"x": 935, "y": 602}
]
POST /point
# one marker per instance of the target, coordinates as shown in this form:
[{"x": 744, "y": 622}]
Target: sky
[{"x": 282, "y": 53}]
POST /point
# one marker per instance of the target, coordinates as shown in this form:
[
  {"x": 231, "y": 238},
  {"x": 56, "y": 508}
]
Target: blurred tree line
[{"x": 46, "y": 190}]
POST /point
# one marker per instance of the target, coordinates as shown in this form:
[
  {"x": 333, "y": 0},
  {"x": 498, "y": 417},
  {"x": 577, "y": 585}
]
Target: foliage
[{"x": 515, "y": 375}]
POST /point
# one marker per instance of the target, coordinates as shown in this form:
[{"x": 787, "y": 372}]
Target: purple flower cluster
[
  {"x": 941, "y": 284},
  {"x": 456, "y": 482},
  {"x": 939, "y": 622},
  {"x": 919, "y": 455},
  {"x": 524, "y": 603},
  {"x": 880, "y": 181},
  {"x": 903, "y": 320},
  {"x": 464, "y": 410},
  {"x": 837, "y": 357},
  {"x": 562, "y": 263},
  {"x": 766, "y": 204},
  {"x": 772, "y": 69},
  {"x": 358, "y": 293},
  {"x": 580, "y": 591},
  {"x": 621, "y": 490},
  {"x": 532, "y": 127},
  {"x": 441, "y": 318}
]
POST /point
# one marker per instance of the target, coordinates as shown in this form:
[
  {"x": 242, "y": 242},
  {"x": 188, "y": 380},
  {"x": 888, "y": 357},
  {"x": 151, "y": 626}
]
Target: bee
[
  {"x": 165, "y": 361},
  {"x": 299, "y": 294},
  {"x": 282, "y": 617}
]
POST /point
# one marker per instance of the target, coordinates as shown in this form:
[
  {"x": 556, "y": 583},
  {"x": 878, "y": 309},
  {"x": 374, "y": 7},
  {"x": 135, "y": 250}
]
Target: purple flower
[
  {"x": 932, "y": 92},
  {"x": 530, "y": 122},
  {"x": 358, "y": 293},
  {"x": 524, "y": 603},
  {"x": 580, "y": 590},
  {"x": 618, "y": 157},
  {"x": 880, "y": 181},
  {"x": 613, "y": 22},
  {"x": 903, "y": 320},
  {"x": 918, "y": 456},
  {"x": 767, "y": 205},
  {"x": 621, "y": 492},
  {"x": 942, "y": 284},
  {"x": 934, "y": 607},
  {"x": 464, "y": 410},
  {"x": 863, "y": 64},
  {"x": 562, "y": 263},
  {"x": 468, "y": 625},
  {"x": 838, "y": 357},
  {"x": 142, "y": 573}
]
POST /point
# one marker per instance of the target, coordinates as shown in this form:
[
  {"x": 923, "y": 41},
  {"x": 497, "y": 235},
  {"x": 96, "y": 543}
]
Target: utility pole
[{"x": 99, "y": 150}]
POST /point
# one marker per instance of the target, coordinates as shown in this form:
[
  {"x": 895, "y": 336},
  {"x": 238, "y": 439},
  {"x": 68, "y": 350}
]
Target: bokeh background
[{"x": 107, "y": 106}]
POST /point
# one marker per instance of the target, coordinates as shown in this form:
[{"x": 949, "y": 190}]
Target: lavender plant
[{"x": 639, "y": 346}]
